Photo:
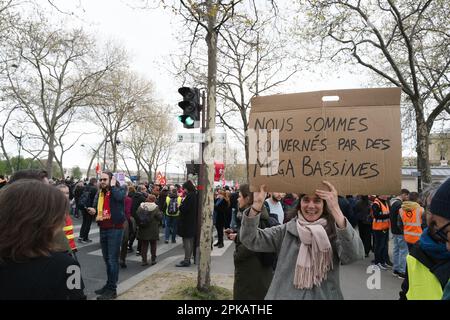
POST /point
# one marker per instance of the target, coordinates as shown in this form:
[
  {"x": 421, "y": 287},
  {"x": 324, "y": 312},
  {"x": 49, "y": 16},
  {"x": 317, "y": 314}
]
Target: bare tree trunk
[
  {"x": 423, "y": 162},
  {"x": 114, "y": 151},
  {"x": 93, "y": 157},
  {"x": 204, "y": 267},
  {"x": 247, "y": 157},
  {"x": 51, "y": 155}
]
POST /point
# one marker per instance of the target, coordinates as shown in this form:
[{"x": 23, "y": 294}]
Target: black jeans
[
  {"x": 86, "y": 225},
  {"x": 381, "y": 239},
  {"x": 365, "y": 233},
  {"x": 220, "y": 224}
]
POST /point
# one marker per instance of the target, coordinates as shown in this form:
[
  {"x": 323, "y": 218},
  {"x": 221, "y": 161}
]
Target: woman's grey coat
[{"x": 284, "y": 239}]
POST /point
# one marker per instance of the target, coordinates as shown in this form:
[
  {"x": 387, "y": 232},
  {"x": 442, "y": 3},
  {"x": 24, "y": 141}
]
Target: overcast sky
[{"x": 149, "y": 37}]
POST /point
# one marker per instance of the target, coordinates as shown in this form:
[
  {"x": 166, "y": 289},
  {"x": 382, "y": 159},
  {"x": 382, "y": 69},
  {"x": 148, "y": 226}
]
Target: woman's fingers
[{"x": 330, "y": 186}]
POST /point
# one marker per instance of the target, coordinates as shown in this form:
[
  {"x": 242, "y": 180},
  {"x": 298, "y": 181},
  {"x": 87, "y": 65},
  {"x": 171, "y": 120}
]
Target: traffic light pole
[{"x": 201, "y": 181}]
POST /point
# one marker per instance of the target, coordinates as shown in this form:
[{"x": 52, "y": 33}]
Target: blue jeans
[
  {"x": 171, "y": 228},
  {"x": 400, "y": 252},
  {"x": 233, "y": 224},
  {"x": 111, "y": 241},
  {"x": 381, "y": 240}
]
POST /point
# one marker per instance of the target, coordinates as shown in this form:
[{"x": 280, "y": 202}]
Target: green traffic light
[
  {"x": 189, "y": 121},
  {"x": 186, "y": 120}
]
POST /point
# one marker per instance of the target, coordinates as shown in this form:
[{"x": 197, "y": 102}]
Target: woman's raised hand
[
  {"x": 331, "y": 198},
  {"x": 258, "y": 200},
  {"x": 259, "y": 197}
]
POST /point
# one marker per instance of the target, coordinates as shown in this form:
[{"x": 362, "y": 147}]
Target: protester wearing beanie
[{"x": 428, "y": 263}]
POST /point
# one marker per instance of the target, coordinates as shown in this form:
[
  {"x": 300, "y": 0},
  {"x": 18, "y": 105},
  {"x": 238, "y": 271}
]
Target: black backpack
[
  {"x": 143, "y": 218},
  {"x": 172, "y": 209}
]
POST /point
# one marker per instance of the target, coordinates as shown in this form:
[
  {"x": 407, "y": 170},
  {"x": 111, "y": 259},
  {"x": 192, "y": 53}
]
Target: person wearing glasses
[
  {"x": 428, "y": 262},
  {"x": 109, "y": 205}
]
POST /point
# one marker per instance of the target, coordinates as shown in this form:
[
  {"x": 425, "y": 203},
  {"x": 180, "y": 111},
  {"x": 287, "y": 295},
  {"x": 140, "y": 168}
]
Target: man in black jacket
[
  {"x": 187, "y": 223},
  {"x": 86, "y": 201},
  {"x": 137, "y": 198}
]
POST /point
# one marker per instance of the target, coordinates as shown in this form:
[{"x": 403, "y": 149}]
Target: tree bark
[
  {"x": 204, "y": 267},
  {"x": 247, "y": 157},
  {"x": 51, "y": 155},
  {"x": 93, "y": 157},
  {"x": 423, "y": 162}
]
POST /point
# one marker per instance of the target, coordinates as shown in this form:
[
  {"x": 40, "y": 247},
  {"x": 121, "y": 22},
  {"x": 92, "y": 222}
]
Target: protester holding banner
[{"x": 310, "y": 248}]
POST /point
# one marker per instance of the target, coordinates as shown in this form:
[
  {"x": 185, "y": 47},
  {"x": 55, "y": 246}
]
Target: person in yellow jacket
[
  {"x": 411, "y": 219},
  {"x": 428, "y": 263}
]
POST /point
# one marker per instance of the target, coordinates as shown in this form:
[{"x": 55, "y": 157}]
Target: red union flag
[
  {"x": 159, "y": 177},
  {"x": 98, "y": 170},
  {"x": 219, "y": 168}
]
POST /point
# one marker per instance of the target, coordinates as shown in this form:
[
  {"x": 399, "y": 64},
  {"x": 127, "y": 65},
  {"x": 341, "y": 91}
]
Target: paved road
[{"x": 353, "y": 277}]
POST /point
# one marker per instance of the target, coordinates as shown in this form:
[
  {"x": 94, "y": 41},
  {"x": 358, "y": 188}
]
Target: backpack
[
  {"x": 143, "y": 218},
  {"x": 172, "y": 208}
]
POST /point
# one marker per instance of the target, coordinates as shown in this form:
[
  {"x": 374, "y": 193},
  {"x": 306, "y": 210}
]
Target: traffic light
[{"x": 191, "y": 107}]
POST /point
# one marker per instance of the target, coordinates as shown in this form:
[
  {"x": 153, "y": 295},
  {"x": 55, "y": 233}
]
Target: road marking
[
  {"x": 160, "y": 249},
  {"x": 217, "y": 252}
]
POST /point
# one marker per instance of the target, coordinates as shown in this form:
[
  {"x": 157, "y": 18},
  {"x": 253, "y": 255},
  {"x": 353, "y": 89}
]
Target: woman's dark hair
[
  {"x": 189, "y": 186},
  {"x": 30, "y": 214},
  {"x": 245, "y": 191},
  {"x": 225, "y": 196},
  {"x": 28, "y": 174}
]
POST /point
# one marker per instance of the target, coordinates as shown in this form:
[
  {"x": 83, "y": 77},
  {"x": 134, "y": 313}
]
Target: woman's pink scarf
[{"x": 315, "y": 257}]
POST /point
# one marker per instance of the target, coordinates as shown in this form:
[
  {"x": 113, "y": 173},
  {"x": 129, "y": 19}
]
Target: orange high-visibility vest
[
  {"x": 412, "y": 224},
  {"x": 381, "y": 224},
  {"x": 68, "y": 230}
]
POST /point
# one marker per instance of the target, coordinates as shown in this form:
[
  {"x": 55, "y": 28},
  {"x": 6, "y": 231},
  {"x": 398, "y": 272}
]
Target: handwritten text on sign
[{"x": 300, "y": 148}]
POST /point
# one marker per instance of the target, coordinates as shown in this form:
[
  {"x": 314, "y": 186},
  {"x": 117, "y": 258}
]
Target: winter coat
[
  {"x": 252, "y": 276},
  {"x": 221, "y": 208},
  {"x": 187, "y": 222},
  {"x": 150, "y": 231},
  {"x": 117, "y": 204},
  {"x": 284, "y": 239},
  {"x": 77, "y": 194},
  {"x": 128, "y": 205},
  {"x": 362, "y": 212},
  {"x": 162, "y": 200},
  {"x": 394, "y": 207},
  {"x": 137, "y": 198}
]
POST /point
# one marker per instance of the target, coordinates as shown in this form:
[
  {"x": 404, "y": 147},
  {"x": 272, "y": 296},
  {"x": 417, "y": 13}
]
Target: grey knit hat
[{"x": 440, "y": 204}]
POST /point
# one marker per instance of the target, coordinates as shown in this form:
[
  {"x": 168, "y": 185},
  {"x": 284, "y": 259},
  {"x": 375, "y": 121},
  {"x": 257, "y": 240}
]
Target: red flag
[{"x": 219, "y": 168}]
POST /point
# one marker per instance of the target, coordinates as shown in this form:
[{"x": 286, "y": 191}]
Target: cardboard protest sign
[{"x": 299, "y": 140}]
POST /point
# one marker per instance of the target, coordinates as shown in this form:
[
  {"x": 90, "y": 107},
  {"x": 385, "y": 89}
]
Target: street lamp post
[{"x": 19, "y": 142}]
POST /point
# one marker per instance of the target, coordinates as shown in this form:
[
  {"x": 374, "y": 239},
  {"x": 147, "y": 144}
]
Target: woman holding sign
[{"x": 310, "y": 247}]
